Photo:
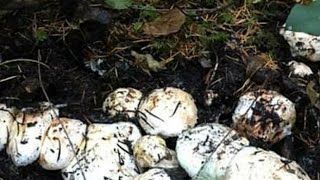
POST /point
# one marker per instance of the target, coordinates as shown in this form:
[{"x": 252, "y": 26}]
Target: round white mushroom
[
  {"x": 253, "y": 163},
  {"x": 214, "y": 151},
  {"x": 27, "y": 133},
  {"x": 211, "y": 144},
  {"x": 300, "y": 69},
  {"x": 167, "y": 112},
  {"x": 151, "y": 151},
  {"x": 302, "y": 44},
  {"x": 153, "y": 174},
  {"x": 123, "y": 101},
  {"x": 107, "y": 153},
  {"x": 264, "y": 115},
  {"x": 56, "y": 152},
  {"x": 7, "y": 116}
]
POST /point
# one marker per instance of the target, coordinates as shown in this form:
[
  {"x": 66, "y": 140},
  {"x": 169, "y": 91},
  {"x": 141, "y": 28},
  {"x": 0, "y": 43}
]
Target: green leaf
[
  {"x": 148, "y": 12},
  {"x": 305, "y": 18},
  {"x": 137, "y": 26},
  {"x": 119, "y": 4}
]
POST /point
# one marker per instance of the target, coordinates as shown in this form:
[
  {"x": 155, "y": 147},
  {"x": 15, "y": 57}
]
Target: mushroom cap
[
  {"x": 123, "y": 101},
  {"x": 153, "y": 174},
  {"x": 302, "y": 44},
  {"x": 106, "y": 154},
  {"x": 151, "y": 151},
  {"x": 167, "y": 112},
  {"x": 210, "y": 144},
  {"x": 300, "y": 69},
  {"x": 264, "y": 115},
  {"x": 254, "y": 163},
  {"x": 27, "y": 133},
  {"x": 7, "y": 116},
  {"x": 56, "y": 151}
]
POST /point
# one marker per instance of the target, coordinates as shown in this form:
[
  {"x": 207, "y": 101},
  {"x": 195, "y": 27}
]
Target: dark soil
[{"x": 68, "y": 81}]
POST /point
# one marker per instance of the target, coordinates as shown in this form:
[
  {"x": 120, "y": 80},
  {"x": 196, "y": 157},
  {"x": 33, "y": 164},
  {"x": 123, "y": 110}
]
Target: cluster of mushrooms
[{"x": 121, "y": 150}]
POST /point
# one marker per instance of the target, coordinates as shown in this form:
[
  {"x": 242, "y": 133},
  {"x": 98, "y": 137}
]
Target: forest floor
[{"x": 85, "y": 56}]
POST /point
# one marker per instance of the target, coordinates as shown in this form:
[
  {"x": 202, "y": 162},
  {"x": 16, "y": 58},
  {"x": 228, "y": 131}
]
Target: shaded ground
[{"x": 226, "y": 33}]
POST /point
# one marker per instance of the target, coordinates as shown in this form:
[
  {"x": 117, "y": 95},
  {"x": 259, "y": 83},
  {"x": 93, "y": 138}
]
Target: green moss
[
  {"x": 162, "y": 45},
  {"x": 265, "y": 41},
  {"x": 226, "y": 17},
  {"x": 40, "y": 35},
  {"x": 214, "y": 37}
]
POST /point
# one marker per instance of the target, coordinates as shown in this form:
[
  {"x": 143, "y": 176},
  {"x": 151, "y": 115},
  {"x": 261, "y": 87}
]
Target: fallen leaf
[
  {"x": 168, "y": 23},
  {"x": 147, "y": 63},
  {"x": 254, "y": 63}
]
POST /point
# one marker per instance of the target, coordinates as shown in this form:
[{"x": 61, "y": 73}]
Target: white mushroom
[
  {"x": 264, "y": 115},
  {"x": 27, "y": 133},
  {"x": 107, "y": 153},
  {"x": 153, "y": 174},
  {"x": 300, "y": 69},
  {"x": 167, "y": 112},
  {"x": 123, "y": 101},
  {"x": 302, "y": 44},
  {"x": 211, "y": 144},
  {"x": 56, "y": 152},
  {"x": 151, "y": 151},
  {"x": 214, "y": 151},
  {"x": 253, "y": 163},
  {"x": 7, "y": 116}
]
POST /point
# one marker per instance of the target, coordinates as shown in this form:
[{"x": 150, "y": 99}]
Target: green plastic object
[{"x": 305, "y": 18}]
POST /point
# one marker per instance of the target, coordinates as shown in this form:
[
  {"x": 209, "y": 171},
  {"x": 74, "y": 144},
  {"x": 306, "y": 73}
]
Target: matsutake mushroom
[
  {"x": 7, "y": 116},
  {"x": 299, "y": 69},
  {"x": 167, "y": 112},
  {"x": 154, "y": 174},
  {"x": 27, "y": 133},
  {"x": 106, "y": 154},
  {"x": 56, "y": 151},
  {"x": 151, "y": 151},
  {"x": 302, "y": 44},
  {"x": 123, "y": 101},
  {"x": 214, "y": 151},
  {"x": 254, "y": 163},
  {"x": 214, "y": 142},
  {"x": 264, "y": 115}
]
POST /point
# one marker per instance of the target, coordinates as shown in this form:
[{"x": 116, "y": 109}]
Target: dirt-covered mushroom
[
  {"x": 302, "y": 44},
  {"x": 167, "y": 112},
  {"x": 7, "y": 116},
  {"x": 123, "y": 101},
  {"x": 107, "y": 153},
  {"x": 215, "y": 151},
  {"x": 56, "y": 151},
  {"x": 151, "y": 151},
  {"x": 299, "y": 69},
  {"x": 264, "y": 115},
  {"x": 212, "y": 144},
  {"x": 27, "y": 133},
  {"x": 254, "y": 163},
  {"x": 153, "y": 174}
]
